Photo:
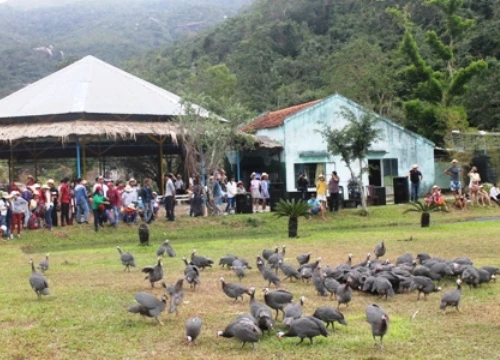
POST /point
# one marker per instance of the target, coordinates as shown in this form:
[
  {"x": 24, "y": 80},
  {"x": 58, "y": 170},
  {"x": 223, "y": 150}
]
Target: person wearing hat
[
  {"x": 240, "y": 188},
  {"x": 127, "y": 196},
  {"x": 147, "y": 200},
  {"x": 303, "y": 185},
  {"x": 48, "y": 205},
  {"x": 170, "y": 197},
  {"x": 455, "y": 174},
  {"x": 30, "y": 180},
  {"x": 482, "y": 196},
  {"x": 255, "y": 191},
  {"x": 437, "y": 197},
  {"x": 333, "y": 189},
  {"x": 415, "y": 179},
  {"x": 231, "y": 193},
  {"x": 99, "y": 181},
  {"x": 264, "y": 189},
  {"x": 81, "y": 201},
  {"x": 64, "y": 200},
  {"x": 19, "y": 208},
  {"x": 134, "y": 192},
  {"x": 321, "y": 187},
  {"x": 55, "y": 201},
  {"x": 129, "y": 214},
  {"x": 475, "y": 180}
]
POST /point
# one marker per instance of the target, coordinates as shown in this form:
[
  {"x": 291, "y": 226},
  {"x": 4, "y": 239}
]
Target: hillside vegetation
[
  {"x": 284, "y": 52},
  {"x": 109, "y": 29}
]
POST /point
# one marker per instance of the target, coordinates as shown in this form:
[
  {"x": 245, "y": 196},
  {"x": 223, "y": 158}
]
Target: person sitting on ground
[
  {"x": 429, "y": 200},
  {"x": 437, "y": 197},
  {"x": 495, "y": 194},
  {"x": 129, "y": 214},
  {"x": 482, "y": 196},
  {"x": 314, "y": 205}
]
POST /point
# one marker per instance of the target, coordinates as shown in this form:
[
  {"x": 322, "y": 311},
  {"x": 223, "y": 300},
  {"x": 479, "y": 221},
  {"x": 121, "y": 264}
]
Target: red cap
[{"x": 98, "y": 188}]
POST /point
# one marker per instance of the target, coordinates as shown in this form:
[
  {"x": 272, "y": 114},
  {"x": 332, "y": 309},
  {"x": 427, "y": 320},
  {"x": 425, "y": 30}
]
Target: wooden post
[
  {"x": 11, "y": 165},
  {"x": 162, "y": 170},
  {"x": 84, "y": 161}
]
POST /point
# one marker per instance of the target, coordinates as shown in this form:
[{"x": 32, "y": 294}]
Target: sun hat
[
  {"x": 435, "y": 187},
  {"x": 50, "y": 181},
  {"x": 37, "y": 186},
  {"x": 131, "y": 180},
  {"x": 128, "y": 188},
  {"x": 6, "y": 195},
  {"x": 45, "y": 186},
  {"x": 30, "y": 177},
  {"x": 100, "y": 177},
  {"x": 321, "y": 176},
  {"x": 84, "y": 182},
  {"x": 14, "y": 193},
  {"x": 263, "y": 174},
  {"x": 414, "y": 166},
  {"x": 454, "y": 161}
]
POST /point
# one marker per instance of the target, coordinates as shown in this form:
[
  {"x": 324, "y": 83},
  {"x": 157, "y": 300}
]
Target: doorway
[{"x": 374, "y": 173}]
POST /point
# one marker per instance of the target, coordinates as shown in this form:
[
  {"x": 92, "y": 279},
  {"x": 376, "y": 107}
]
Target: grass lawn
[{"x": 86, "y": 317}]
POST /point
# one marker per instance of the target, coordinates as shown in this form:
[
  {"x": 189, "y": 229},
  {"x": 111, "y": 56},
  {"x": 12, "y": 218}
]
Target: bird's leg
[
  {"x": 458, "y": 309},
  {"x": 300, "y": 342},
  {"x": 242, "y": 346},
  {"x": 311, "y": 339},
  {"x": 124, "y": 269},
  {"x": 159, "y": 321},
  {"x": 276, "y": 318},
  {"x": 418, "y": 297}
]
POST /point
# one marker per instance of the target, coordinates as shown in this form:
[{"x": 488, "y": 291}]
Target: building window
[
  {"x": 311, "y": 170},
  {"x": 390, "y": 167}
]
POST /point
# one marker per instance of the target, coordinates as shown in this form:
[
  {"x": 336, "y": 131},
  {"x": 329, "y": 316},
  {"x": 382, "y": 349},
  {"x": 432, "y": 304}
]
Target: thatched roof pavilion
[{"x": 93, "y": 109}]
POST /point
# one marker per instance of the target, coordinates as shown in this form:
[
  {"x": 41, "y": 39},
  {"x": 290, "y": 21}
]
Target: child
[
  {"x": 437, "y": 197},
  {"x": 19, "y": 207},
  {"x": 482, "y": 196}
]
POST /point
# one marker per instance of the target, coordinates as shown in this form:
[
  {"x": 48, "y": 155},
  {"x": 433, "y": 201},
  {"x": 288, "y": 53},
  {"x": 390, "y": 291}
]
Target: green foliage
[
  {"x": 443, "y": 51},
  {"x": 291, "y": 209},
  {"x": 420, "y": 207},
  {"x": 464, "y": 75}
]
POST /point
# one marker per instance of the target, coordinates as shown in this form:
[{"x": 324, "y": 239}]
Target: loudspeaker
[
  {"x": 276, "y": 192},
  {"x": 244, "y": 204},
  {"x": 401, "y": 190},
  {"x": 380, "y": 196}
]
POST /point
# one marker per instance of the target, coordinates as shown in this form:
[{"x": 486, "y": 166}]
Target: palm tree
[
  {"x": 293, "y": 210},
  {"x": 425, "y": 210}
]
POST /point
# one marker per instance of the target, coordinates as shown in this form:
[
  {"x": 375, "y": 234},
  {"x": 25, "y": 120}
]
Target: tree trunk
[
  {"x": 362, "y": 188},
  {"x": 425, "y": 220},
  {"x": 293, "y": 224}
]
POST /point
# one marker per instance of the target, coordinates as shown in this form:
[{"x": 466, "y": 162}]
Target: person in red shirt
[
  {"x": 114, "y": 201},
  {"x": 64, "y": 200}
]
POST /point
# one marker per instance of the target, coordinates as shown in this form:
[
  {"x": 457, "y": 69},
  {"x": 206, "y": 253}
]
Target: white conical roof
[{"x": 91, "y": 86}]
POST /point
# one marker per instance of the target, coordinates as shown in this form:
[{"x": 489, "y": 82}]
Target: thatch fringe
[{"x": 109, "y": 129}]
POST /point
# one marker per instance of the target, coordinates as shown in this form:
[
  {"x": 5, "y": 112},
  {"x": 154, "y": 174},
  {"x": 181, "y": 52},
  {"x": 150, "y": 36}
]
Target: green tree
[
  {"x": 432, "y": 109},
  {"x": 352, "y": 142}
]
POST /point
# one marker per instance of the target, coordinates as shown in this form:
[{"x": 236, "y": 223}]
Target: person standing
[
  {"x": 475, "y": 179},
  {"x": 64, "y": 201},
  {"x": 415, "y": 179},
  {"x": 114, "y": 202},
  {"x": 19, "y": 207},
  {"x": 302, "y": 185},
  {"x": 217, "y": 195},
  {"x": 170, "y": 197},
  {"x": 264, "y": 190},
  {"x": 81, "y": 200},
  {"x": 333, "y": 189},
  {"x": 55, "y": 196},
  {"x": 255, "y": 191},
  {"x": 49, "y": 205},
  {"x": 321, "y": 188},
  {"x": 231, "y": 193},
  {"x": 147, "y": 200},
  {"x": 455, "y": 174},
  {"x": 97, "y": 207}
]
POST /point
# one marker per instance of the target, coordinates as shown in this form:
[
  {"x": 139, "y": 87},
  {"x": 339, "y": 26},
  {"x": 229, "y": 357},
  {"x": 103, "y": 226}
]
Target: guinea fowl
[
  {"x": 382, "y": 286},
  {"x": 462, "y": 260},
  {"x": 155, "y": 272},
  {"x": 344, "y": 294},
  {"x": 306, "y": 327},
  {"x": 310, "y": 266},
  {"x": 148, "y": 305},
  {"x": 379, "y": 321},
  {"x": 452, "y": 298},
  {"x": 176, "y": 296},
  {"x": 267, "y": 273},
  {"x": 260, "y": 312},
  {"x": 421, "y": 257},
  {"x": 329, "y": 315},
  {"x": 165, "y": 248},
  {"x": 234, "y": 291},
  {"x": 38, "y": 282},
  {"x": 304, "y": 258},
  {"x": 289, "y": 271},
  {"x": 43, "y": 265},
  {"x": 274, "y": 259},
  {"x": 485, "y": 276},
  {"x": 239, "y": 269},
  {"x": 292, "y": 311},
  {"x": 492, "y": 270},
  {"x": 126, "y": 258},
  {"x": 379, "y": 250},
  {"x": 306, "y": 273},
  {"x": 318, "y": 282},
  {"x": 191, "y": 274},
  {"x": 277, "y": 299},
  {"x": 267, "y": 253},
  {"x": 201, "y": 261},
  {"x": 363, "y": 263},
  {"x": 193, "y": 329},
  {"x": 423, "y": 285},
  {"x": 331, "y": 285},
  {"x": 242, "y": 329},
  {"x": 470, "y": 276},
  {"x": 405, "y": 259},
  {"x": 227, "y": 261}
]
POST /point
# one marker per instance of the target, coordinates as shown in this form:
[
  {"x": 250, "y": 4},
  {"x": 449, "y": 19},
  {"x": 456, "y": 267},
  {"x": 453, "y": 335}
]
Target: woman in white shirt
[
  {"x": 231, "y": 193},
  {"x": 49, "y": 206},
  {"x": 255, "y": 191}
]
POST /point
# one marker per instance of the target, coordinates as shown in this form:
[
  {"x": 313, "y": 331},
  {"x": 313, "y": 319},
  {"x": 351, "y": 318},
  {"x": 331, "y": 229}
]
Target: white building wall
[{"x": 304, "y": 144}]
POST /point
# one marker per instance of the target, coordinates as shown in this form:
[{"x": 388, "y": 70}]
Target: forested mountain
[
  {"x": 34, "y": 40},
  {"x": 284, "y": 52}
]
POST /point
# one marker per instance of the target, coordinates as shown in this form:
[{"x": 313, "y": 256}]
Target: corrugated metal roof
[{"x": 92, "y": 86}]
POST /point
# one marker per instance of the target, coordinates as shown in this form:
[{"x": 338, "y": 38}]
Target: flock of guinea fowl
[{"x": 372, "y": 276}]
